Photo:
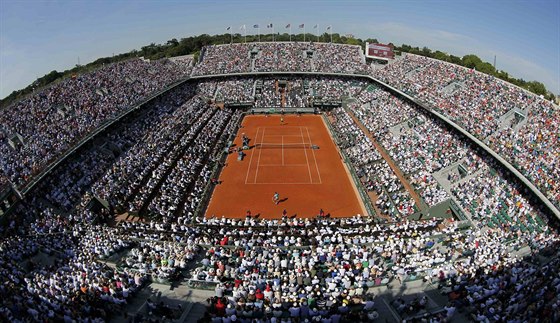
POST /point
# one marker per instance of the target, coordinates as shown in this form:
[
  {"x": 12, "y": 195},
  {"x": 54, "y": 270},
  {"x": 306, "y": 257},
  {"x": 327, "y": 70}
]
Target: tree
[
  {"x": 454, "y": 59},
  {"x": 486, "y": 67},
  {"x": 172, "y": 42},
  {"x": 471, "y": 61},
  {"x": 353, "y": 41},
  {"x": 441, "y": 56},
  {"x": 536, "y": 87}
]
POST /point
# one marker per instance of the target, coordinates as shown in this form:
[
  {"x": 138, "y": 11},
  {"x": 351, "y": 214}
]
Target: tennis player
[{"x": 276, "y": 198}]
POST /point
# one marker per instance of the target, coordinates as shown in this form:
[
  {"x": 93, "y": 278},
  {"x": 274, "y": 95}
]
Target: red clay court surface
[{"x": 306, "y": 179}]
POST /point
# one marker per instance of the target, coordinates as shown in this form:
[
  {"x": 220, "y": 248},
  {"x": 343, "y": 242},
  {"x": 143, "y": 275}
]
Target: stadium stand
[
  {"x": 280, "y": 57},
  {"x": 514, "y": 122},
  {"x": 42, "y": 126},
  {"x": 125, "y": 212}
]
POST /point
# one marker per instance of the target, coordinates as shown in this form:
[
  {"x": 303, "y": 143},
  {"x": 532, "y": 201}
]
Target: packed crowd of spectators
[
  {"x": 520, "y": 291},
  {"x": 314, "y": 266},
  {"x": 193, "y": 165},
  {"x": 319, "y": 264},
  {"x": 338, "y": 58},
  {"x": 269, "y": 96},
  {"x": 163, "y": 261},
  {"x": 78, "y": 177},
  {"x": 53, "y": 119},
  {"x": 50, "y": 269},
  {"x": 296, "y": 92},
  {"x": 534, "y": 150},
  {"x": 479, "y": 102},
  {"x": 334, "y": 88},
  {"x": 160, "y": 163},
  {"x": 235, "y": 90},
  {"x": 223, "y": 59},
  {"x": 131, "y": 172},
  {"x": 271, "y": 269},
  {"x": 496, "y": 202},
  {"x": 373, "y": 170},
  {"x": 282, "y": 57}
]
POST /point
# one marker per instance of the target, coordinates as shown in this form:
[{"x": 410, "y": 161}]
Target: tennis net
[{"x": 286, "y": 146}]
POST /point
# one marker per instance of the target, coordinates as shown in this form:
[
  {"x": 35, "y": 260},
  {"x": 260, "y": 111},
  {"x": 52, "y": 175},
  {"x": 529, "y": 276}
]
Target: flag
[
  {"x": 242, "y": 27},
  {"x": 288, "y": 26},
  {"x": 301, "y": 26},
  {"x": 329, "y": 28},
  {"x": 269, "y": 26},
  {"x": 315, "y": 27},
  {"x": 228, "y": 28},
  {"x": 255, "y": 26}
]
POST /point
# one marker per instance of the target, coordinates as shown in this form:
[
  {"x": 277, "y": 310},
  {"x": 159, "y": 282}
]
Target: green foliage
[
  {"x": 486, "y": 67},
  {"x": 536, "y": 87},
  {"x": 426, "y": 51},
  {"x": 441, "y": 56},
  {"x": 454, "y": 59},
  {"x": 354, "y": 41},
  {"x": 471, "y": 61}
]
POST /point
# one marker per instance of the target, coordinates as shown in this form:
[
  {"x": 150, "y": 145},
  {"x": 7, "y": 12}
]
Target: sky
[{"x": 37, "y": 37}]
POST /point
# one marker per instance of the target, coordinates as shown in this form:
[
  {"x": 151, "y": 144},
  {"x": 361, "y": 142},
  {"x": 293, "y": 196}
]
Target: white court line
[
  {"x": 306, "y": 183},
  {"x": 315, "y": 158},
  {"x": 272, "y": 135},
  {"x": 279, "y": 144},
  {"x": 281, "y": 127},
  {"x": 252, "y": 153},
  {"x": 259, "y": 159},
  {"x": 280, "y": 165},
  {"x": 306, "y": 159},
  {"x": 282, "y": 150}
]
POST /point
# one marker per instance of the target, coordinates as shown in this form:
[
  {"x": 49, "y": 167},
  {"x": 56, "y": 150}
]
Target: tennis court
[
  {"x": 297, "y": 159},
  {"x": 286, "y": 156}
]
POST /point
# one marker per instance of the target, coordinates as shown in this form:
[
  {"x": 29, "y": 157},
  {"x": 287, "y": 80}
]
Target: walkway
[{"x": 417, "y": 199}]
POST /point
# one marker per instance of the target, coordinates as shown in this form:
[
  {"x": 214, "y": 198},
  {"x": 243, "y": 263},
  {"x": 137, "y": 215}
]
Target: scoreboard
[{"x": 379, "y": 51}]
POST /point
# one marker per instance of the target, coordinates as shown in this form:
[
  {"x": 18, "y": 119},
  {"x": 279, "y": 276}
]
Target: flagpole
[
  {"x": 304, "y": 33},
  {"x": 290, "y": 32},
  {"x": 272, "y": 33},
  {"x": 259, "y": 32},
  {"x": 317, "y": 31}
]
